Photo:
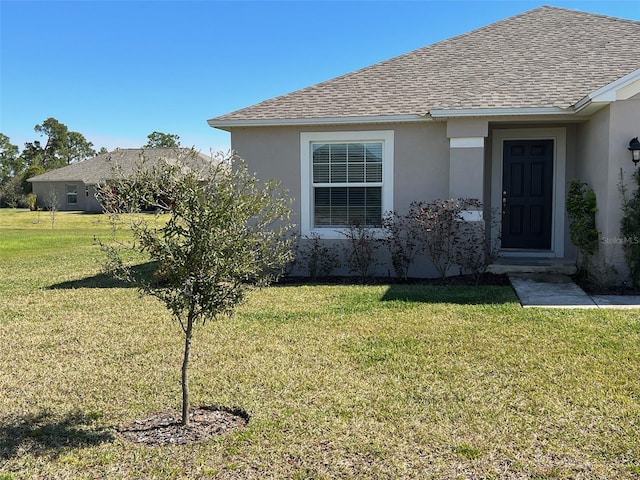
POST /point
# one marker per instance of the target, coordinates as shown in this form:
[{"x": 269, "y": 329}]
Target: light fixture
[{"x": 634, "y": 146}]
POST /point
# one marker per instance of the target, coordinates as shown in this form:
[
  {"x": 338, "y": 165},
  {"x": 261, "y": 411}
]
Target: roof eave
[
  {"x": 291, "y": 122},
  {"x": 498, "y": 112},
  {"x": 620, "y": 89}
]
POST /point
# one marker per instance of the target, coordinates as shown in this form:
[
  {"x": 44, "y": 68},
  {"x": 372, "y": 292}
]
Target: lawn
[{"x": 384, "y": 381}]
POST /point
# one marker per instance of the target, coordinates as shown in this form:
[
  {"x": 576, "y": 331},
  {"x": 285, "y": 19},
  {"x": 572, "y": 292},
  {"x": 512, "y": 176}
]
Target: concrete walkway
[{"x": 546, "y": 290}]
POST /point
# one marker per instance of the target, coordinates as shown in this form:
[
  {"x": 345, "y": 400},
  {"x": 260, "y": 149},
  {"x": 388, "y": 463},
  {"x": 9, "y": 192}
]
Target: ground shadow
[
  {"x": 460, "y": 289},
  {"x": 453, "y": 294},
  {"x": 46, "y": 434},
  {"x": 143, "y": 272}
]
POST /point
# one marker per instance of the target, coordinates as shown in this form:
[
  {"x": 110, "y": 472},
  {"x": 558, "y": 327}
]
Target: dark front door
[{"x": 527, "y": 186}]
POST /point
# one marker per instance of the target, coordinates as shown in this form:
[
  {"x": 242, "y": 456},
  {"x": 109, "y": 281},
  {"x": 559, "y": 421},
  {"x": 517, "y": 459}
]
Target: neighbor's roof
[
  {"x": 544, "y": 58},
  {"x": 107, "y": 166}
]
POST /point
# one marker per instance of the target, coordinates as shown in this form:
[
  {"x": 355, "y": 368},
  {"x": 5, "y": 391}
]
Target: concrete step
[
  {"x": 551, "y": 290},
  {"x": 533, "y": 265}
]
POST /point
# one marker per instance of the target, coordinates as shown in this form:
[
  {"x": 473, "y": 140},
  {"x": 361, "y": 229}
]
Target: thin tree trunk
[{"x": 185, "y": 373}]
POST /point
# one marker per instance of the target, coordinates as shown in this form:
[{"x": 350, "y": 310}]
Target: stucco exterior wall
[
  {"x": 602, "y": 153},
  {"x": 421, "y": 166},
  {"x": 44, "y": 191},
  {"x": 92, "y": 204},
  {"x": 272, "y": 153},
  {"x": 592, "y": 152},
  {"x": 624, "y": 124},
  {"x": 86, "y": 196},
  {"x": 570, "y": 250},
  {"x": 421, "y": 158}
]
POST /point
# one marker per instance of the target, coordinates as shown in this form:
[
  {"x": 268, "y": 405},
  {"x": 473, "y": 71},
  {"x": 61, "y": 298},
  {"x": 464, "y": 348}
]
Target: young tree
[
  {"x": 161, "y": 140},
  {"x": 52, "y": 203},
  {"x": 226, "y": 233}
]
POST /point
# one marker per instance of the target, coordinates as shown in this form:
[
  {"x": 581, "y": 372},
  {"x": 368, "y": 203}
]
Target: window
[
  {"x": 72, "y": 194},
  {"x": 346, "y": 177}
]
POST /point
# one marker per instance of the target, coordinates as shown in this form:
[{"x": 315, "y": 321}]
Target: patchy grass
[{"x": 340, "y": 381}]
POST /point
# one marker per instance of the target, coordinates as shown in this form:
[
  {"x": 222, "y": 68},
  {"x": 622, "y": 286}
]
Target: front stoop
[
  {"x": 508, "y": 265},
  {"x": 549, "y": 290},
  {"x": 552, "y": 290}
]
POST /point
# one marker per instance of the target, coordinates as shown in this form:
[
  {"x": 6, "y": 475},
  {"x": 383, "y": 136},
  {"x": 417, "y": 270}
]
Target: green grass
[{"x": 340, "y": 381}]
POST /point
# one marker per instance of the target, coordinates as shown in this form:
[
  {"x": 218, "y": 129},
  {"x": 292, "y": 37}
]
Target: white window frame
[
  {"x": 67, "y": 193},
  {"x": 386, "y": 137}
]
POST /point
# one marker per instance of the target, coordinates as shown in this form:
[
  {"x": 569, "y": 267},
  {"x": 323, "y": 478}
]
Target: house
[
  {"x": 507, "y": 114},
  {"x": 74, "y": 185}
]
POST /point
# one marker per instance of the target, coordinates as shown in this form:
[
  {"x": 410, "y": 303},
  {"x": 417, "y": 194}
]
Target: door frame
[{"x": 559, "y": 137}]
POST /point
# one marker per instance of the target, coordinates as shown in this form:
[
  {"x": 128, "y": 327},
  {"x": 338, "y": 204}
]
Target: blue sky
[{"x": 117, "y": 71}]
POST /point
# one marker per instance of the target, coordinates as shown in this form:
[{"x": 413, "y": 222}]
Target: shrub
[
  {"x": 475, "y": 248},
  {"x": 32, "y": 200},
  {"x": 321, "y": 260},
  {"x": 581, "y": 209},
  {"x": 361, "y": 249},
  {"x": 630, "y": 226},
  {"x": 441, "y": 220},
  {"x": 404, "y": 238},
  {"x": 11, "y": 194}
]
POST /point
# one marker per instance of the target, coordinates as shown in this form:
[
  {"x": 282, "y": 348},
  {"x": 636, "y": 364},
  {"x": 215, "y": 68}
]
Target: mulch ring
[{"x": 165, "y": 428}]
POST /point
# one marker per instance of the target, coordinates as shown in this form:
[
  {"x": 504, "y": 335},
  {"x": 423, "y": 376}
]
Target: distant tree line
[{"x": 62, "y": 147}]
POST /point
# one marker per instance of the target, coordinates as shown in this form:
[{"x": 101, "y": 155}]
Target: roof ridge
[{"x": 585, "y": 13}]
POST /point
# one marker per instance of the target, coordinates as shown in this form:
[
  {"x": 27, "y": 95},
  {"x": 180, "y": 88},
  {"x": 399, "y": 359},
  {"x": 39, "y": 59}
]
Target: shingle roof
[
  {"x": 107, "y": 166},
  {"x": 547, "y": 57}
]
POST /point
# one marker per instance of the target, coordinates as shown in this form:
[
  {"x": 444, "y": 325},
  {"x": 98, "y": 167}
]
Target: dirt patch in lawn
[{"x": 165, "y": 428}]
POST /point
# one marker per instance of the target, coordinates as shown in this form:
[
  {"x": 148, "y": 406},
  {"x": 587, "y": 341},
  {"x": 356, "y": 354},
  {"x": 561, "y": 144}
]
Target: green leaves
[
  {"x": 218, "y": 242},
  {"x": 220, "y": 239},
  {"x": 630, "y": 226},
  {"x": 581, "y": 208}
]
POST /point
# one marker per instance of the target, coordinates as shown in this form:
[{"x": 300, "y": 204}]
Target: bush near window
[
  {"x": 438, "y": 228},
  {"x": 361, "y": 250},
  {"x": 475, "y": 248},
  {"x": 404, "y": 238},
  {"x": 442, "y": 221},
  {"x": 320, "y": 259}
]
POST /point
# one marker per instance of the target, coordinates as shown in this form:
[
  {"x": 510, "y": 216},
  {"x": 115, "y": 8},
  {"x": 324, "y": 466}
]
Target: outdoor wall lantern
[{"x": 634, "y": 146}]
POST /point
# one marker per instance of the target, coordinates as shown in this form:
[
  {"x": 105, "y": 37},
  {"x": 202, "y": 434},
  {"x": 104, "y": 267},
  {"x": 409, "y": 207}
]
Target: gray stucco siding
[
  {"x": 45, "y": 190},
  {"x": 421, "y": 158}
]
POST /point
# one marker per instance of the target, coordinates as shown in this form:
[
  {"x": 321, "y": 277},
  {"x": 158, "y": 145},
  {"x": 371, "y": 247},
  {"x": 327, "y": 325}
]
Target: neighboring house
[
  {"x": 74, "y": 186},
  {"x": 507, "y": 114}
]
